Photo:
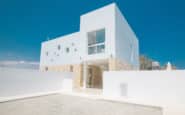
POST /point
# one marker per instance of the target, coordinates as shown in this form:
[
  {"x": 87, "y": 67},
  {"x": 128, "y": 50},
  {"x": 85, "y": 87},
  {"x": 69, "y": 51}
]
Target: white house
[{"x": 104, "y": 42}]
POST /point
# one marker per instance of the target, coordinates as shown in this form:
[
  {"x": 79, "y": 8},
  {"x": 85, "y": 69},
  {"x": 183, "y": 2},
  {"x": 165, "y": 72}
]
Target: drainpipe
[{"x": 84, "y": 75}]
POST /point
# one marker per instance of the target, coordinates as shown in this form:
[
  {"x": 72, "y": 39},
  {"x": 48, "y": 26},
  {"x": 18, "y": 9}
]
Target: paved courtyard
[{"x": 60, "y": 104}]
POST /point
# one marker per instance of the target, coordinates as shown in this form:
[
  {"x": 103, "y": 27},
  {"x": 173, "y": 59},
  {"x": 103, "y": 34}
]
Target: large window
[{"x": 96, "y": 41}]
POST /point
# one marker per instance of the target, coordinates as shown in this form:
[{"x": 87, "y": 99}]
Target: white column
[{"x": 84, "y": 75}]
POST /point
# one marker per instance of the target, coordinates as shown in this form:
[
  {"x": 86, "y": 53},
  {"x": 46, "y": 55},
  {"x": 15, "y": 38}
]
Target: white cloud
[{"x": 19, "y": 64}]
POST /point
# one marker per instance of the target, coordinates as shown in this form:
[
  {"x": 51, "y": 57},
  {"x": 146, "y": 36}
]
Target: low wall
[
  {"x": 24, "y": 82},
  {"x": 159, "y": 88}
]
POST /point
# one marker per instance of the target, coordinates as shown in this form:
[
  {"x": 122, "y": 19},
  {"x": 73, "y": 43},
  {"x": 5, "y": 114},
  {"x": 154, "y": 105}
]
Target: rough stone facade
[
  {"x": 118, "y": 65},
  {"x": 77, "y": 69}
]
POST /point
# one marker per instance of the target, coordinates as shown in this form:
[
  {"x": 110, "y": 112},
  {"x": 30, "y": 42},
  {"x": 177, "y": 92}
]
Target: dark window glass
[
  {"x": 67, "y": 50},
  {"x": 100, "y": 36},
  {"x": 91, "y": 50},
  {"x": 59, "y": 47}
]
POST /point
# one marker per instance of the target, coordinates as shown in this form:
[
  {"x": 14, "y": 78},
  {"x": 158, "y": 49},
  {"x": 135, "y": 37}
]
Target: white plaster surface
[
  {"x": 126, "y": 42},
  {"x": 102, "y": 18},
  {"x": 120, "y": 41},
  {"x": 165, "y": 89},
  {"x": 15, "y": 83},
  {"x": 60, "y": 56}
]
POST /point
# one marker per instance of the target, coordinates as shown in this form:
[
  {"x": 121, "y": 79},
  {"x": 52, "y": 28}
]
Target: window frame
[{"x": 96, "y": 45}]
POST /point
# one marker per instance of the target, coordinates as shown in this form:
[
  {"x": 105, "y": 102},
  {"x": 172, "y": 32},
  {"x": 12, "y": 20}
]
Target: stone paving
[{"x": 61, "y": 104}]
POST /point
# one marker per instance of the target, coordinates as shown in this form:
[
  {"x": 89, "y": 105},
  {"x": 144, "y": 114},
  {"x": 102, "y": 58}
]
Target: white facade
[
  {"x": 127, "y": 44},
  {"x": 58, "y": 56},
  {"x": 119, "y": 42}
]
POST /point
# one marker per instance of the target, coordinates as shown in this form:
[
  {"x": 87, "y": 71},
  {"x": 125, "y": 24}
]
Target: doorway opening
[{"x": 94, "y": 75}]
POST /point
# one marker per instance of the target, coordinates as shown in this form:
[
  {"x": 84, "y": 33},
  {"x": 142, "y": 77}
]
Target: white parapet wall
[
  {"x": 165, "y": 89},
  {"x": 19, "y": 83}
]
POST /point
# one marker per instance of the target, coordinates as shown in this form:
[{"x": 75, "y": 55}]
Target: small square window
[
  {"x": 67, "y": 50},
  {"x": 59, "y": 47}
]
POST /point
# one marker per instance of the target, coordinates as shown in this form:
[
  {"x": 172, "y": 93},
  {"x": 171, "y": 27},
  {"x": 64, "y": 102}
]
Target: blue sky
[{"x": 158, "y": 24}]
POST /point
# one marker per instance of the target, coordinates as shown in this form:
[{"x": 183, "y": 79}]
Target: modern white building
[{"x": 105, "y": 42}]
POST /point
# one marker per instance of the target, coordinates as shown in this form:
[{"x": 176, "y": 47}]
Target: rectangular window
[{"x": 96, "y": 42}]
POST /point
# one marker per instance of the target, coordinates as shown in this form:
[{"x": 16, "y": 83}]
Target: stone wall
[
  {"x": 78, "y": 79},
  {"x": 116, "y": 65},
  {"x": 96, "y": 81},
  {"x": 77, "y": 69}
]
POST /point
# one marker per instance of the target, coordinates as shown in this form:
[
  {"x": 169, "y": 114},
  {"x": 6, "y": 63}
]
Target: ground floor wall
[
  {"x": 19, "y": 83},
  {"x": 94, "y": 71},
  {"x": 165, "y": 89},
  {"x": 94, "y": 75},
  {"x": 77, "y": 70}
]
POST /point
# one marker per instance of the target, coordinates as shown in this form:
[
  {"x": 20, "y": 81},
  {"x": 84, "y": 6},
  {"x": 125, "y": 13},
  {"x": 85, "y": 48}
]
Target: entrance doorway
[{"x": 94, "y": 76}]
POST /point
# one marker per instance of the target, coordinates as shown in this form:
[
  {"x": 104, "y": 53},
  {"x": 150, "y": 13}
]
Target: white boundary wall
[
  {"x": 15, "y": 83},
  {"x": 165, "y": 89}
]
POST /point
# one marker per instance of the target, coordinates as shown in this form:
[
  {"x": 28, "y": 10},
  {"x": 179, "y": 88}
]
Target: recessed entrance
[{"x": 94, "y": 73}]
